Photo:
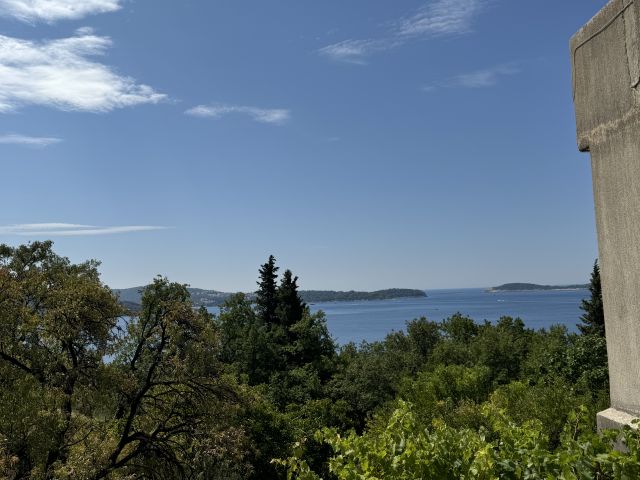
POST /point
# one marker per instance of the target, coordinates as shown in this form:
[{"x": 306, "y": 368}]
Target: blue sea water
[{"x": 373, "y": 320}]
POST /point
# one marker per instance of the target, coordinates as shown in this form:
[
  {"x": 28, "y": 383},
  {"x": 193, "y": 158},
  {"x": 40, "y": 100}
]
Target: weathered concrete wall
[{"x": 606, "y": 73}]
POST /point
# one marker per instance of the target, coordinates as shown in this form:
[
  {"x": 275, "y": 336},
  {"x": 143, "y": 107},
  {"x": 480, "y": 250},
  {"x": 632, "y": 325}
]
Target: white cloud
[
  {"x": 42, "y": 226},
  {"x": 70, "y": 230},
  {"x": 273, "y": 116},
  {"x": 442, "y": 17},
  {"x": 435, "y": 18},
  {"x": 16, "y": 139},
  {"x": 356, "y": 51},
  {"x": 488, "y": 77},
  {"x": 60, "y": 74},
  {"x": 53, "y": 10},
  {"x": 484, "y": 78},
  {"x": 85, "y": 31}
]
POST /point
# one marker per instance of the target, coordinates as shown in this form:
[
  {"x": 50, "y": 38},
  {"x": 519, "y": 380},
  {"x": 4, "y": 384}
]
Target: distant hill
[
  {"x": 200, "y": 297},
  {"x": 317, "y": 296},
  {"x": 132, "y": 306},
  {"x": 517, "y": 287},
  {"x": 132, "y": 297}
]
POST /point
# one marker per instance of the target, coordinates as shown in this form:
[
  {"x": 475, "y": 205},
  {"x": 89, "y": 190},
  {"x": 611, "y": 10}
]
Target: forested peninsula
[
  {"x": 334, "y": 296},
  {"x": 132, "y": 297}
]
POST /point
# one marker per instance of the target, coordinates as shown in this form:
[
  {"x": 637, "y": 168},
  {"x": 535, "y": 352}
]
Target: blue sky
[{"x": 367, "y": 144}]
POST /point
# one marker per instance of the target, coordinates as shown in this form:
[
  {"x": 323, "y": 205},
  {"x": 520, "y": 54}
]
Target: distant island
[
  {"x": 132, "y": 297},
  {"x": 519, "y": 287},
  {"x": 315, "y": 296}
]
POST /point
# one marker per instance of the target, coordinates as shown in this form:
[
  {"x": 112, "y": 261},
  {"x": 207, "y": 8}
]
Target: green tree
[
  {"x": 423, "y": 336},
  {"x": 56, "y": 325},
  {"x": 459, "y": 328},
  {"x": 502, "y": 347},
  {"x": 446, "y": 392},
  {"x": 369, "y": 376},
  {"x": 86, "y": 392},
  {"x": 166, "y": 379},
  {"x": 593, "y": 318},
  {"x": 246, "y": 341},
  {"x": 267, "y": 294},
  {"x": 587, "y": 366},
  {"x": 290, "y": 306},
  {"x": 458, "y": 332}
]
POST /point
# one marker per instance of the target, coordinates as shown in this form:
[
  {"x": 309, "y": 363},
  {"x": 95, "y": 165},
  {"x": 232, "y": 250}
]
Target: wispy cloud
[
  {"x": 27, "y": 141},
  {"x": 441, "y": 17},
  {"x": 61, "y": 74},
  {"x": 357, "y": 51},
  {"x": 276, "y": 116},
  {"x": 70, "y": 229},
  {"x": 435, "y": 18},
  {"x": 53, "y": 10},
  {"x": 488, "y": 77}
]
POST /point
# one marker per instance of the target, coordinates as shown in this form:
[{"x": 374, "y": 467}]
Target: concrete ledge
[{"x": 614, "y": 419}]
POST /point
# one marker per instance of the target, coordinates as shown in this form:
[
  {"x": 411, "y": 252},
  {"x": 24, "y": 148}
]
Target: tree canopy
[
  {"x": 260, "y": 390},
  {"x": 593, "y": 317}
]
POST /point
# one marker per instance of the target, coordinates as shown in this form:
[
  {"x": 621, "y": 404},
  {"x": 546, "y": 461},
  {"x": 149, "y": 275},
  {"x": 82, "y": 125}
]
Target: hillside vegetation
[{"x": 261, "y": 391}]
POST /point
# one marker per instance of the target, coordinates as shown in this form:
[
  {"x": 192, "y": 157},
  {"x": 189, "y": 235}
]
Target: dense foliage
[
  {"x": 261, "y": 391},
  {"x": 404, "y": 449},
  {"x": 593, "y": 318},
  {"x": 89, "y": 393}
]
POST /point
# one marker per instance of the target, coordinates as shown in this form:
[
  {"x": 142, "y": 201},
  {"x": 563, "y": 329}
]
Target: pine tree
[
  {"x": 593, "y": 318},
  {"x": 267, "y": 295},
  {"x": 290, "y": 305}
]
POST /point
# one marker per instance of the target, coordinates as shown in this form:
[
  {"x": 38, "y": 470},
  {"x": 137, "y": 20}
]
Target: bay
[{"x": 373, "y": 320}]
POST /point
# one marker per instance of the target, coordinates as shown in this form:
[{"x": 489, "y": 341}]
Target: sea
[{"x": 373, "y": 320}]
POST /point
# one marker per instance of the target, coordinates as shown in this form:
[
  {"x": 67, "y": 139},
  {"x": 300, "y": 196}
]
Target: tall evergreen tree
[
  {"x": 290, "y": 305},
  {"x": 267, "y": 294},
  {"x": 593, "y": 318}
]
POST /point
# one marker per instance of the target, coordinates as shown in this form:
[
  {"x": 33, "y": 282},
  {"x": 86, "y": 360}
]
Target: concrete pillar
[{"x": 606, "y": 76}]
